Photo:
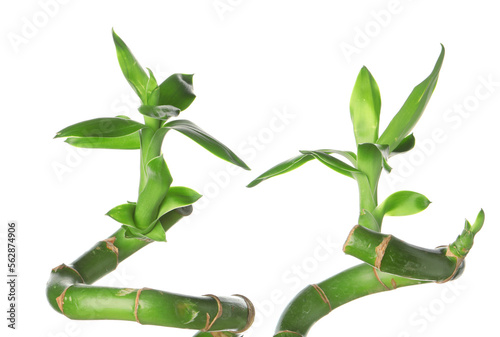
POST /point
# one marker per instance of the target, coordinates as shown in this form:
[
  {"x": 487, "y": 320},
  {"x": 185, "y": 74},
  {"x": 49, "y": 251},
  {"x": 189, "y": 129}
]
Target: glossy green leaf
[
  {"x": 365, "y": 108},
  {"x": 124, "y": 214},
  {"x": 157, "y": 233},
  {"x": 334, "y": 163},
  {"x": 478, "y": 223},
  {"x": 295, "y": 162},
  {"x": 177, "y": 197},
  {"x": 366, "y": 219},
  {"x": 411, "y": 111},
  {"x": 177, "y": 90},
  {"x": 158, "y": 180},
  {"x": 194, "y": 132},
  {"x": 402, "y": 203},
  {"x": 134, "y": 73},
  {"x": 152, "y": 90},
  {"x": 101, "y": 127},
  {"x": 284, "y": 167},
  {"x": 128, "y": 142},
  {"x": 161, "y": 112},
  {"x": 407, "y": 144}
]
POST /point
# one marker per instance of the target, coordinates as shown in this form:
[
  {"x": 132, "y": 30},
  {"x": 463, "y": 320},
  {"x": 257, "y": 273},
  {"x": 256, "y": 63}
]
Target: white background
[{"x": 253, "y": 60}]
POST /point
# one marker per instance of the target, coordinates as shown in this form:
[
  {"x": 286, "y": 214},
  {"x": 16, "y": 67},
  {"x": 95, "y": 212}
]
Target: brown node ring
[
  {"x": 209, "y": 324},
  {"x": 110, "y": 244},
  {"x": 251, "y": 313},
  {"x": 458, "y": 264},
  {"x": 375, "y": 271},
  {"x": 380, "y": 251},
  {"x": 60, "y": 300},
  {"x": 322, "y": 294},
  {"x": 136, "y": 305}
]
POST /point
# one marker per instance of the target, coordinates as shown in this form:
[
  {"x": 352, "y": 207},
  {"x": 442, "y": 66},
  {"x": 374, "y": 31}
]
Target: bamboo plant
[
  {"x": 158, "y": 207},
  {"x": 388, "y": 262}
]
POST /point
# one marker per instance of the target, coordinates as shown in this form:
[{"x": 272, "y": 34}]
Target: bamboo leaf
[
  {"x": 478, "y": 223},
  {"x": 411, "y": 111},
  {"x": 284, "y": 167},
  {"x": 152, "y": 90},
  {"x": 158, "y": 180},
  {"x": 402, "y": 203},
  {"x": 407, "y": 144},
  {"x": 365, "y": 108},
  {"x": 366, "y": 219},
  {"x": 161, "y": 112},
  {"x": 177, "y": 90},
  {"x": 177, "y": 196},
  {"x": 296, "y": 162},
  {"x": 128, "y": 142},
  {"x": 194, "y": 132},
  {"x": 101, "y": 127},
  {"x": 124, "y": 214},
  {"x": 334, "y": 163},
  {"x": 134, "y": 73},
  {"x": 157, "y": 233}
]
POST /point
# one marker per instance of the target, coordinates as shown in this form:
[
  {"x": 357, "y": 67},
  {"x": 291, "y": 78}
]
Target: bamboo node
[
  {"x": 209, "y": 324},
  {"x": 60, "y": 300},
  {"x": 349, "y": 237},
  {"x": 251, "y": 313},
  {"x": 136, "y": 305},
  {"x": 375, "y": 271},
  {"x": 322, "y": 294},
  {"x": 380, "y": 251}
]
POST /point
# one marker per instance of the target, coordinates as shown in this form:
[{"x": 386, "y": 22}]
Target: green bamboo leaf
[
  {"x": 152, "y": 90},
  {"x": 158, "y": 180},
  {"x": 194, "y": 132},
  {"x": 365, "y": 108},
  {"x": 134, "y": 73},
  {"x": 295, "y": 162},
  {"x": 177, "y": 196},
  {"x": 124, "y": 214},
  {"x": 402, "y": 203},
  {"x": 334, "y": 163},
  {"x": 411, "y": 111},
  {"x": 351, "y": 156},
  {"x": 407, "y": 144},
  {"x": 478, "y": 223},
  {"x": 101, "y": 127},
  {"x": 128, "y": 142},
  {"x": 284, "y": 167},
  {"x": 366, "y": 219},
  {"x": 161, "y": 112},
  {"x": 157, "y": 233},
  {"x": 177, "y": 90}
]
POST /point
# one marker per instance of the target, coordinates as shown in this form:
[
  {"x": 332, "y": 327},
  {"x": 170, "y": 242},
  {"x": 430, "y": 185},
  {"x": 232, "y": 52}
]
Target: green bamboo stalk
[
  {"x": 390, "y": 262},
  {"x": 69, "y": 291},
  {"x": 159, "y": 206},
  {"x": 318, "y": 300}
]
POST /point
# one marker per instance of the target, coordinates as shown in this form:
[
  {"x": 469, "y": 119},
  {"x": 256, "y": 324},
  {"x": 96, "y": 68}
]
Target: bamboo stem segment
[
  {"x": 392, "y": 255},
  {"x": 359, "y": 281},
  {"x": 70, "y": 292}
]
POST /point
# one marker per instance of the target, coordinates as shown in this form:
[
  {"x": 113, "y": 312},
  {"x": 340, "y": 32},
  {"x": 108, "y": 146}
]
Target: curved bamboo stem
[
  {"x": 69, "y": 292},
  {"x": 318, "y": 300}
]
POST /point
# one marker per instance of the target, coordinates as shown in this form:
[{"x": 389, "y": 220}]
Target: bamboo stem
[
  {"x": 392, "y": 255},
  {"x": 309, "y": 305},
  {"x": 69, "y": 292}
]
